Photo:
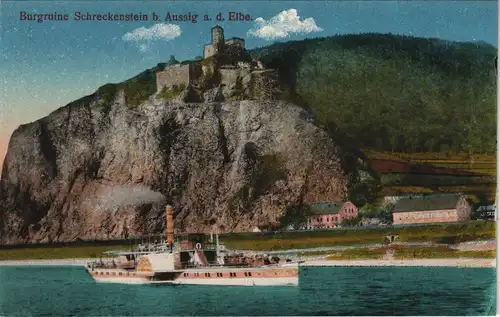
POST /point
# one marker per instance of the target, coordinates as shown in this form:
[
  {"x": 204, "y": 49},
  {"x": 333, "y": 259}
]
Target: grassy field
[
  {"x": 408, "y": 252},
  {"x": 477, "y": 163},
  {"x": 46, "y": 253},
  {"x": 441, "y": 233},
  {"x": 419, "y": 173}
]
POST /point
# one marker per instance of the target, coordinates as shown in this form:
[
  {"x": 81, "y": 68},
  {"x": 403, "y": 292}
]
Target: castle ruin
[
  {"x": 225, "y": 64},
  {"x": 233, "y": 46}
]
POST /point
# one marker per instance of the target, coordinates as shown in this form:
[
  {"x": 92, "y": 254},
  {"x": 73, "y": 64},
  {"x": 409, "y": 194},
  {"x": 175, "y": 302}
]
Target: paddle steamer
[{"x": 193, "y": 259}]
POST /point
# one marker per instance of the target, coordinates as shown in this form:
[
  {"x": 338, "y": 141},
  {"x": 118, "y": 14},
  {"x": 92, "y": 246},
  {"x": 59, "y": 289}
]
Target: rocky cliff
[{"x": 91, "y": 171}]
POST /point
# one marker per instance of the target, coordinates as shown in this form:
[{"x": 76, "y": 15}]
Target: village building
[
  {"x": 486, "y": 212},
  {"x": 330, "y": 214},
  {"x": 431, "y": 209}
]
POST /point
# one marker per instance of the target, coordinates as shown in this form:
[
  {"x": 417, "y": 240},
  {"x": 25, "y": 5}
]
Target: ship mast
[{"x": 217, "y": 246}]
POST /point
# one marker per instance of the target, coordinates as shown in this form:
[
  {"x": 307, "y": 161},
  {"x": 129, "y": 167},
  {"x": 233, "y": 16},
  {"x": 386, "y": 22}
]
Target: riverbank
[
  {"x": 458, "y": 262},
  {"x": 60, "y": 262},
  {"x": 446, "y": 233}
]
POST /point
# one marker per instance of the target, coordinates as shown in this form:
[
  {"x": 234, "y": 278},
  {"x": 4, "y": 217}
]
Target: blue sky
[{"x": 44, "y": 66}]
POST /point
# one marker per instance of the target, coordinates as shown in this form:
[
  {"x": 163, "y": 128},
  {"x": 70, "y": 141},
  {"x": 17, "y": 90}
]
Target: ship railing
[
  {"x": 228, "y": 266},
  {"x": 100, "y": 264},
  {"x": 194, "y": 266},
  {"x": 185, "y": 265}
]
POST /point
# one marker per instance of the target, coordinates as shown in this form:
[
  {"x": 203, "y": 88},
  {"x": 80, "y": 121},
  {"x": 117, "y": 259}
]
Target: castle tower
[{"x": 218, "y": 38}]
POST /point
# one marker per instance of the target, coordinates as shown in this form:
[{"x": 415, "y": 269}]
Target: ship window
[
  {"x": 107, "y": 273},
  {"x": 246, "y": 274},
  {"x": 120, "y": 273},
  {"x": 249, "y": 273}
]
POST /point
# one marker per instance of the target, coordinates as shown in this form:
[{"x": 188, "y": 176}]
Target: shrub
[
  {"x": 237, "y": 92},
  {"x": 209, "y": 80},
  {"x": 139, "y": 88},
  {"x": 106, "y": 94},
  {"x": 168, "y": 93}
]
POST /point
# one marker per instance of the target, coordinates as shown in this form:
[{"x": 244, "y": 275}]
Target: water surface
[{"x": 56, "y": 291}]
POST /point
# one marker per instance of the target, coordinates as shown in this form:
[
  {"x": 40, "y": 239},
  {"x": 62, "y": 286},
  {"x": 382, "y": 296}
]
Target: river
[{"x": 69, "y": 291}]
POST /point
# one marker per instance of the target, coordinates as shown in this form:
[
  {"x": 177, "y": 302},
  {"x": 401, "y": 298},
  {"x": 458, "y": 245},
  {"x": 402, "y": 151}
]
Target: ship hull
[
  {"x": 282, "y": 281},
  {"x": 290, "y": 281},
  {"x": 267, "y": 276}
]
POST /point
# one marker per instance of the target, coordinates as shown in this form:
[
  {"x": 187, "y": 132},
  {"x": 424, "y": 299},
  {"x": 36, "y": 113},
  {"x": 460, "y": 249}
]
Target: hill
[
  {"x": 395, "y": 93},
  {"x": 103, "y": 166}
]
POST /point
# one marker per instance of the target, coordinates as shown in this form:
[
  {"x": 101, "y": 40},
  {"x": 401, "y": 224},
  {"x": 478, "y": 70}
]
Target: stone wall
[
  {"x": 177, "y": 75},
  {"x": 229, "y": 76},
  {"x": 434, "y": 216},
  {"x": 236, "y": 42},
  {"x": 172, "y": 75},
  {"x": 263, "y": 84},
  {"x": 195, "y": 72},
  {"x": 208, "y": 51}
]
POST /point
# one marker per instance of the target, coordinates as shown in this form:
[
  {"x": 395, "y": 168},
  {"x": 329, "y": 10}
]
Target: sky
[{"x": 46, "y": 64}]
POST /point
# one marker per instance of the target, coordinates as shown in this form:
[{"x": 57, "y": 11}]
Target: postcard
[{"x": 248, "y": 158}]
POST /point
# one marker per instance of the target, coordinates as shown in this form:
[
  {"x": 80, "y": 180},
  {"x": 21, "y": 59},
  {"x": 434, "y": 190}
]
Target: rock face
[{"x": 94, "y": 171}]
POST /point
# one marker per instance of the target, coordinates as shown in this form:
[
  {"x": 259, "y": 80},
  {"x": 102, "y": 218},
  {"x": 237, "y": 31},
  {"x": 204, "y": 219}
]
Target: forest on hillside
[{"x": 395, "y": 93}]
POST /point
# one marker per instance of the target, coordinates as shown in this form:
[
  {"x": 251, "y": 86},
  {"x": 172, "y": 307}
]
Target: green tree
[
  {"x": 352, "y": 222},
  {"x": 296, "y": 216},
  {"x": 172, "y": 61},
  {"x": 367, "y": 192}
]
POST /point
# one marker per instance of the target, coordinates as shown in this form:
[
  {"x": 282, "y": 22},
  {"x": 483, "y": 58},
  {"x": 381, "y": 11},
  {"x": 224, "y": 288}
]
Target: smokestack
[{"x": 169, "y": 227}]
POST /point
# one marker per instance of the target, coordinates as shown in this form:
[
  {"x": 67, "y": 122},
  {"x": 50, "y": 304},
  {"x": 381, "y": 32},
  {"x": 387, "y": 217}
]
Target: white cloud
[
  {"x": 143, "y": 47},
  {"x": 160, "y": 31},
  {"x": 282, "y": 25}
]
